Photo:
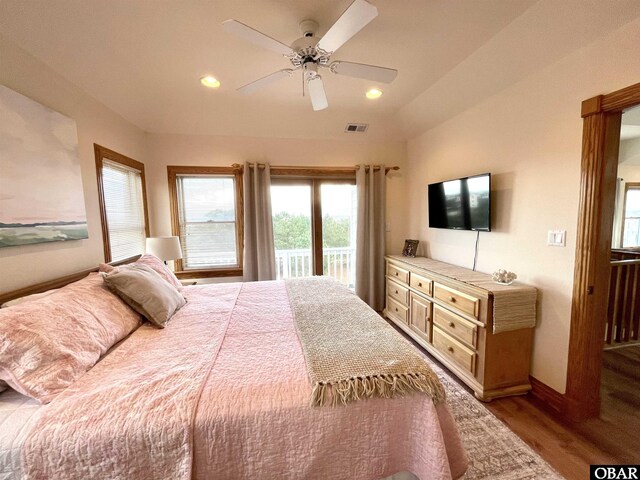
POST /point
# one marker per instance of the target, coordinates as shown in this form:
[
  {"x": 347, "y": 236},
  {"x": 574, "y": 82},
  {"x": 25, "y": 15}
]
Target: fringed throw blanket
[{"x": 350, "y": 351}]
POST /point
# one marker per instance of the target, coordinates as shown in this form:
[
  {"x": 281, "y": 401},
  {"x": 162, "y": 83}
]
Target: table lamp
[{"x": 165, "y": 248}]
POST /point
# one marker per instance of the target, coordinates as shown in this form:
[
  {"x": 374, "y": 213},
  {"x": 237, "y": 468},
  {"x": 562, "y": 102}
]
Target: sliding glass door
[
  {"x": 339, "y": 210},
  {"x": 314, "y": 228},
  {"x": 292, "y": 229}
]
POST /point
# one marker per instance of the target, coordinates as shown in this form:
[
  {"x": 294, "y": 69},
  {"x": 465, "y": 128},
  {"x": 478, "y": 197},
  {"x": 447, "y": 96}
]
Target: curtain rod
[{"x": 336, "y": 170}]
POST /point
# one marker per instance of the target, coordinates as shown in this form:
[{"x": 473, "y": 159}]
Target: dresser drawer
[
  {"x": 397, "y": 310},
  {"x": 454, "y": 350},
  {"x": 456, "y": 326},
  {"x": 399, "y": 274},
  {"x": 420, "y": 283},
  {"x": 458, "y": 300},
  {"x": 398, "y": 292}
]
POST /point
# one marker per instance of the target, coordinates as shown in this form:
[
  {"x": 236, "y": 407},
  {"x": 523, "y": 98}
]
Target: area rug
[{"x": 494, "y": 451}]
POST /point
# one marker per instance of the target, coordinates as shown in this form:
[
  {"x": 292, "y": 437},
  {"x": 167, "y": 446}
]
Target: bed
[{"x": 221, "y": 392}]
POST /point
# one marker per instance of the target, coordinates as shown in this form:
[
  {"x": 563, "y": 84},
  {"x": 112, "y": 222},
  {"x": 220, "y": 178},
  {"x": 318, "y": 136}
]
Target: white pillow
[{"x": 28, "y": 298}]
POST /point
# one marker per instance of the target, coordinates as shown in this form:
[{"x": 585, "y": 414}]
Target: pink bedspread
[{"x": 223, "y": 393}]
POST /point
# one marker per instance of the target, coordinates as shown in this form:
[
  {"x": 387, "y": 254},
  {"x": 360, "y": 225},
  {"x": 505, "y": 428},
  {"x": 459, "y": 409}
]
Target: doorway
[
  {"x": 602, "y": 117},
  {"x": 620, "y": 374},
  {"x": 623, "y": 311},
  {"x": 314, "y": 228}
]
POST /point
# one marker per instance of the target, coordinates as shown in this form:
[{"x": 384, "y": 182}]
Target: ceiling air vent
[{"x": 356, "y": 128}]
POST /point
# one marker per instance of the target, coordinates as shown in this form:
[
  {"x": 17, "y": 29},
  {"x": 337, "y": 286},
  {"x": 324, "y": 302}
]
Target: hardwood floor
[
  {"x": 571, "y": 447},
  {"x": 559, "y": 442}
]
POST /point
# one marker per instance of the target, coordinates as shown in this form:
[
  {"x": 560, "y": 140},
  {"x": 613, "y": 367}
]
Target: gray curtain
[
  {"x": 259, "y": 251},
  {"x": 370, "y": 244}
]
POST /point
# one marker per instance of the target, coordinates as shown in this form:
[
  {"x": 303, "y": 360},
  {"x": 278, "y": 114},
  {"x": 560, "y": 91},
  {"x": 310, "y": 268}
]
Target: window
[
  {"x": 207, "y": 216},
  {"x": 631, "y": 226},
  {"x": 123, "y": 206}
]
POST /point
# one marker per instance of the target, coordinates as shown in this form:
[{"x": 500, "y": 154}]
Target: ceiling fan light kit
[{"x": 309, "y": 54}]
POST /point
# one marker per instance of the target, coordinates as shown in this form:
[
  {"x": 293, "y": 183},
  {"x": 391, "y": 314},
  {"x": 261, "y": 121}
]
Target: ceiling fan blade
[
  {"x": 256, "y": 37},
  {"x": 361, "y": 70},
  {"x": 354, "y": 19},
  {"x": 315, "y": 86},
  {"x": 264, "y": 81}
]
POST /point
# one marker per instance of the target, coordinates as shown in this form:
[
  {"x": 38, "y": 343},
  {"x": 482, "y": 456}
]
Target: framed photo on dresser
[{"x": 410, "y": 248}]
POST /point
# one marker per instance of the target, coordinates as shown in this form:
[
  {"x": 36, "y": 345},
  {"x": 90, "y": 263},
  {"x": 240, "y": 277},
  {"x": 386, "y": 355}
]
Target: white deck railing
[{"x": 339, "y": 263}]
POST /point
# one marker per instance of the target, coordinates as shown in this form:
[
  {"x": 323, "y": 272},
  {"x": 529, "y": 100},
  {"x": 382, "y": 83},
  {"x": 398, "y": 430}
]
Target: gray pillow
[{"x": 146, "y": 292}]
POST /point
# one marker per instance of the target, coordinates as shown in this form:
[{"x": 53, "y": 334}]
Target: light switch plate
[
  {"x": 557, "y": 238},
  {"x": 387, "y": 227}
]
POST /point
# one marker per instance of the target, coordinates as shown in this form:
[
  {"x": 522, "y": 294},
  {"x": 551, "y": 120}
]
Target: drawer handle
[
  {"x": 396, "y": 291},
  {"x": 419, "y": 284},
  {"x": 396, "y": 274},
  {"x": 452, "y": 325},
  {"x": 452, "y": 299},
  {"x": 396, "y": 309},
  {"x": 450, "y": 349}
]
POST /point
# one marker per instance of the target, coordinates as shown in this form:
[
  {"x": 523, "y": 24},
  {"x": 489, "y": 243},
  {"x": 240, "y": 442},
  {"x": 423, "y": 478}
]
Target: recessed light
[
  {"x": 209, "y": 81},
  {"x": 373, "y": 93}
]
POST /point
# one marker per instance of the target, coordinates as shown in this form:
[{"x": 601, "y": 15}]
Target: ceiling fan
[{"x": 310, "y": 54}]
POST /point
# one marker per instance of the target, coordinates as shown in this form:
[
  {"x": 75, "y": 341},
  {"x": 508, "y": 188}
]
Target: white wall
[
  {"x": 26, "y": 265},
  {"x": 212, "y": 150},
  {"x": 630, "y": 152},
  {"x": 529, "y": 137}
]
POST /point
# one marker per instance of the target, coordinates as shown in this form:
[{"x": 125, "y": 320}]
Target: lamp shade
[{"x": 165, "y": 248}]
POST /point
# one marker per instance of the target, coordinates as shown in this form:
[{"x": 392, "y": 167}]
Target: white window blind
[
  {"x": 124, "y": 207},
  {"x": 207, "y": 215}
]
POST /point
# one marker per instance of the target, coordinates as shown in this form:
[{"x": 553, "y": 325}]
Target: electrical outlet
[
  {"x": 557, "y": 238},
  {"x": 387, "y": 227}
]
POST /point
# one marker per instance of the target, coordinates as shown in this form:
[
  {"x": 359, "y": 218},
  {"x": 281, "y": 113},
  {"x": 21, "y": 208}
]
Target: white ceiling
[{"x": 143, "y": 58}]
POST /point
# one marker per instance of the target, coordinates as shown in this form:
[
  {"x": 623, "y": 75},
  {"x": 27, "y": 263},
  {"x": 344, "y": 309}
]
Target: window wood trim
[
  {"x": 627, "y": 186},
  {"x": 172, "y": 173},
  {"x": 314, "y": 172},
  {"x": 316, "y": 227},
  {"x": 113, "y": 156}
]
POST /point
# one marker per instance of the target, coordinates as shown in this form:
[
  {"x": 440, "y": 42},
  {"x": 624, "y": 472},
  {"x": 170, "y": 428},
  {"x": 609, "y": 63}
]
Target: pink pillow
[
  {"x": 152, "y": 262},
  {"x": 106, "y": 268},
  {"x": 158, "y": 265},
  {"x": 47, "y": 344}
]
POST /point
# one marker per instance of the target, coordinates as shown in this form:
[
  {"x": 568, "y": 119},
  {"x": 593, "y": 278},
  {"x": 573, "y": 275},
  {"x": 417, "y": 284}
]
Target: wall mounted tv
[{"x": 461, "y": 204}]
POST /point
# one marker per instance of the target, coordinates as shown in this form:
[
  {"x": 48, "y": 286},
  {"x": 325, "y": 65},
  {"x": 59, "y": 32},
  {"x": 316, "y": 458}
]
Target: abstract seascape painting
[{"x": 41, "y": 196}]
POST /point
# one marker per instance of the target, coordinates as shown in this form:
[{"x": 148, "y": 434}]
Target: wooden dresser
[{"x": 453, "y": 321}]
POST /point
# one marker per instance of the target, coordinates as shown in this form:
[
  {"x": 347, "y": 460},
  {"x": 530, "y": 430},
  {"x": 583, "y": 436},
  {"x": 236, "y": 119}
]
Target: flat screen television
[{"x": 461, "y": 204}]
